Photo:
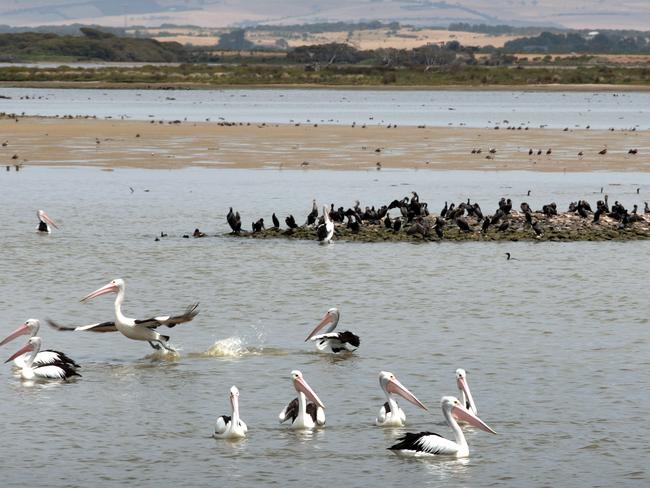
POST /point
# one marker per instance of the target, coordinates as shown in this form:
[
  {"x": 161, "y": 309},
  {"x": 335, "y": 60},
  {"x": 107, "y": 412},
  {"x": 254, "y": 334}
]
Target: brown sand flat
[{"x": 113, "y": 144}]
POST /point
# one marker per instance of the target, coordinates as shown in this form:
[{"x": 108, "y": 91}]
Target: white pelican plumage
[
  {"x": 464, "y": 394},
  {"x": 231, "y": 426},
  {"x": 139, "y": 330},
  {"x": 431, "y": 444},
  {"x": 325, "y": 231},
  {"x": 390, "y": 414},
  {"x": 30, "y": 327},
  {"x": 303, "y": 415},
  {"x": 32, "y": 371},
  {"x": 44, "y": 222},
  {"x": 331, "y": 341}
]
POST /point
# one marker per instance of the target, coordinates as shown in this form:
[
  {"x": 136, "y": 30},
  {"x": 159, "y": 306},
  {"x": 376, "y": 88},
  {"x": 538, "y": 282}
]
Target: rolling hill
[{"x": 622, "y": 14}]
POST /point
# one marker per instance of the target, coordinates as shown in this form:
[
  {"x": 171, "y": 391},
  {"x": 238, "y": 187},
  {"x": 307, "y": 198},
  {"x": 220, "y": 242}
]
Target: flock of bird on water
[{"x": 306, "y": 411}]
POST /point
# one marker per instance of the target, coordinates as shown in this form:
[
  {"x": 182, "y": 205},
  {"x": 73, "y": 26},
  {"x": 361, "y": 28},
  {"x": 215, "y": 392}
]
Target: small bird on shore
[{"x": 276, "y": 222}]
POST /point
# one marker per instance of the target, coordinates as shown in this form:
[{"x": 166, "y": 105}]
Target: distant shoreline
[{"x": 100, "y": 85}]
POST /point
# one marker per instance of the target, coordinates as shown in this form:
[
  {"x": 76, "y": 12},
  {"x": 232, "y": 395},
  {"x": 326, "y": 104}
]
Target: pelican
[
  {"x": 332, "y": 341},
  {"x": 464, "y": 394},
  {"x": 30, "y": 327},
  {"x": 231, "y": 427},
  {"x": 136, "y": 329},
  {"x": 31, "y": 370},
  {"x": 44, "y": 222},
  {"x": 431, "y": 444},
  {"x": 390, "y": 414},
  {"x": 325, "y": 231},
  {"x": 304, "y": 415}
]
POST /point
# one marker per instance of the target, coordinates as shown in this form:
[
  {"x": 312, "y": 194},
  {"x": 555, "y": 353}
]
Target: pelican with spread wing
[{"x": 136, "y": 329}]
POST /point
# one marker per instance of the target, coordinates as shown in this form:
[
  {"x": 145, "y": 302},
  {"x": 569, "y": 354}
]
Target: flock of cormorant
[{"x": 414, "y": 217}]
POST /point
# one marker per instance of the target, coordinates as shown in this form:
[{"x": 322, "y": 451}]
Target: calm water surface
[
  {"x": 436, "y": 108},
  {"x": 556, "y": 345}
]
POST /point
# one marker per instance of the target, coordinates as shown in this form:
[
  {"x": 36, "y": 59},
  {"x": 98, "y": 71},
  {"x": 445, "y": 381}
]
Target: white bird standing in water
[
  {"x": 432, "y": 444},
  {"x": 44, "y": 222},
  {"x": 136, "y": 329},
  {"x": 331, "y": 341},
  {"x": 390, "y": 414},
  {"x": 231, "y": 427},
  {"x": 32, "y": 371},
  {"x": 30, "y": 327},
  {"x": 303, "y": 415},
  {"x": 325, "y": 231}
]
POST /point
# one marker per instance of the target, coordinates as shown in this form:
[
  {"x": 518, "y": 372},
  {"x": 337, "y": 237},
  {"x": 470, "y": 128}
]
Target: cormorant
[{"x": 291, "y": 222}]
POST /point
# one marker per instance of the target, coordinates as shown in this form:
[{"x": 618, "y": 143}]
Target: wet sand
[{"x": 115, "y": 144}]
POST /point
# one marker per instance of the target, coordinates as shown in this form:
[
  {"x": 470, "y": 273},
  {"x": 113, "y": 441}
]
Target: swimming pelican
[
  {"x": 136, "y": 329},
  {"x": 44, "y": 222},
  {"x": 325, "y": 231},
  {"x": 333, "y": 341},
  {"x": 431, "y": 444},
  {"x": 390, "y": 414},
  {"x": 30, "y": 370},
  {"x": 303, "y": 414},
  {"x": 464, "y": 394},
  {"x": 231, "y": 427},
  {"x": 30, "y": 327}
]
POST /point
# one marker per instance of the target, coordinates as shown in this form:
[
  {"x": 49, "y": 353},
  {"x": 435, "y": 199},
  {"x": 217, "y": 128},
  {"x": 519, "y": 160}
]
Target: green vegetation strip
[{"x": 191, "y": 75}]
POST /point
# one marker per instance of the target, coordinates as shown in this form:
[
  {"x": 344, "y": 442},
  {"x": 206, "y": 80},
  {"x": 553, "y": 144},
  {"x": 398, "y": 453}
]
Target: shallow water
[
  {"x": 434, "y": 108},
  {"x": 556, "y": 344}
]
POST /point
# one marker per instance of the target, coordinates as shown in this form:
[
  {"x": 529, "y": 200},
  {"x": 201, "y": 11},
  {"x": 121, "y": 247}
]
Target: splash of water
[
  {"x": 164, "y": 355},
  {"x": 228, "y": 347}
]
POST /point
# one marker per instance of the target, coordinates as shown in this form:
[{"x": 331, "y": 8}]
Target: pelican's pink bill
[
  {"x": 22, "y": 330},
  {"x": 394, "y": 386},
  {"x": 465, "y": 415},
  {"x": 26, "y": 348},
  {"x": 109, "y": 288},
  {"x": 324, "y": 321},
  {"x": 462, "y": 385},
  {"x": 301, "y": 385}
]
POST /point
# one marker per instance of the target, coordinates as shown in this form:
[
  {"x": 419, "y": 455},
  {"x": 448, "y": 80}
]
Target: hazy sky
[{"x": 569, "y": 13}]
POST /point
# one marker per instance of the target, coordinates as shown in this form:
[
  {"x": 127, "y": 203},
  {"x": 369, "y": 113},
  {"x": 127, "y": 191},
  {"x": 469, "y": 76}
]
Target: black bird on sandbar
[
  {"x": 234, "y": 220},
  {"x": 291, "y": 222},
  {"x": 258, "y": 226}
]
